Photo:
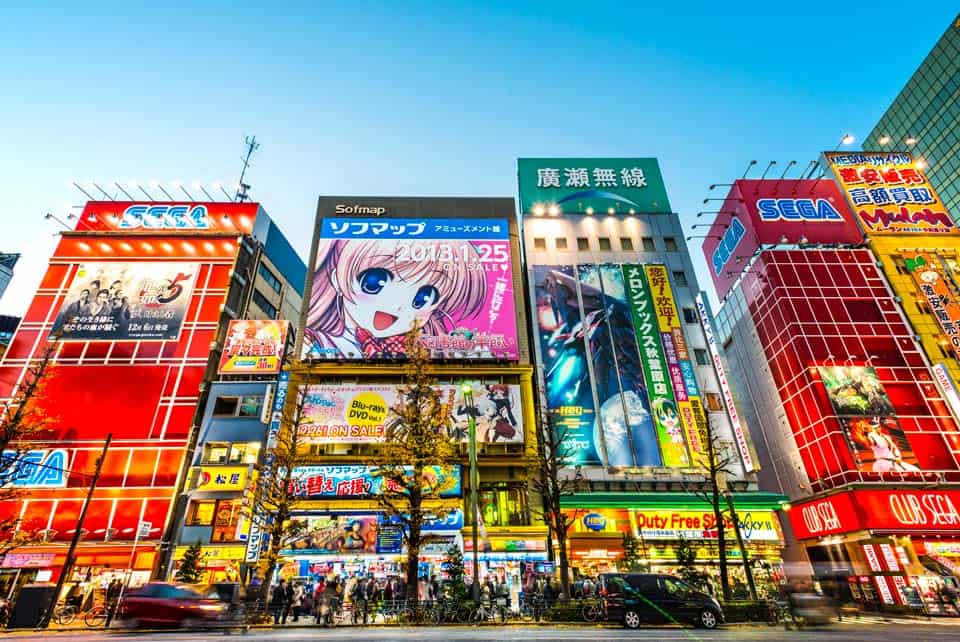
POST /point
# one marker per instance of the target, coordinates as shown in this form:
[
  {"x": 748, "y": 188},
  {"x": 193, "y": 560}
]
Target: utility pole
[
  {"x": 474, "y": 482},
  {"x": 252, "y": 146},
  {"x": 68, "y": 562}
]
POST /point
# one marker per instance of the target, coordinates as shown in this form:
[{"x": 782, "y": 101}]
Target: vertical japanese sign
[
  {"x": 662, "y": 401},
  {"x": 890, "y": 194},
  {"x": 678, "y": 361},
  {"x": 926, "y": 272}
]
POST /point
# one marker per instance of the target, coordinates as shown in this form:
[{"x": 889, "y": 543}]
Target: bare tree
[
  {"x": 552, "y": 478},
  {"x": 413, "y": 464}
]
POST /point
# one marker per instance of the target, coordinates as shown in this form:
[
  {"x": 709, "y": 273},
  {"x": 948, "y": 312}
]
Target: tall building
[
  {"x": 924, "y": 118},
  {"x": 830, "y": 355},
  {"x": 7, "y": 263},
  {"x": 135, "y": 304},
  {"x": 626, "y": 374},
  {"x": 378, "y": 265}
]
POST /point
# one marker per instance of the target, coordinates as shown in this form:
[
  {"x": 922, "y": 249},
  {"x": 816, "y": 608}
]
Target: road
[{"x": 873, "y": 630}]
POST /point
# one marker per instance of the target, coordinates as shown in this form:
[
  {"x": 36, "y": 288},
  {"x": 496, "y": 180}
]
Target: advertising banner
[
  {"x": 587, "y": 185},
  {"x": 34, "y": 468},
  {"x": 879, "y": 444},
  {"x": 332, "y": 534},
  {"x": 218, "y": 478},
  {"x": 374, "y": 278},
  {"x": 755, "y": 526},
  {"x": 889, "y": 193},
  {"x": 354, "y": 413},
  {"x": 177, "y": 217},
  {"x": 331, "y": 481},
  {"x": 855, "y": 390},
  {"x": 566, "y": 374},
  {"x": 925, "y": 269},
  {"x": 253, "y": 347},
  {"x": 126, "y": 301},
  {"x": 670, "y": 434},
  {"x": 682, "y": 375},
  {"x": 623, "y": 428}
]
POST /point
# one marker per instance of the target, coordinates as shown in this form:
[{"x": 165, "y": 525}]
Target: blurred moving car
[
  {"x": 168, "y": 604},
  {"x": 636, "y": 598}
]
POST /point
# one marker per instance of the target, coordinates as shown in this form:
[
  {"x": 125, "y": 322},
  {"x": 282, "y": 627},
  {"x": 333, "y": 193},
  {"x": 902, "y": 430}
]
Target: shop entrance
[{"x": 831, "y": 568}]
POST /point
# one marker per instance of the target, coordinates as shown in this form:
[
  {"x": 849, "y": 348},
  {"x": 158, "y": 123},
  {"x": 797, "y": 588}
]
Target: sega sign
[
  {"x": 164, "y": 217},
  {"x": 34, "y": 468},
  {"x": 595, "y": 521},
  {"x": 730, "y": 241},
  {"x": 797, "y": 209}
]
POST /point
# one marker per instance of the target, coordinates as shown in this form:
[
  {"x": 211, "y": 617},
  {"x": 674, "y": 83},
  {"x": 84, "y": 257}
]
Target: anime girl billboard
[{"x": 375, "y": 278}]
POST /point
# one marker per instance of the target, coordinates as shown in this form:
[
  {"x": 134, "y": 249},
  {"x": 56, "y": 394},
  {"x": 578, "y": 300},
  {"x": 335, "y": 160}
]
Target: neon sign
[{"x": 35, "y": 469}]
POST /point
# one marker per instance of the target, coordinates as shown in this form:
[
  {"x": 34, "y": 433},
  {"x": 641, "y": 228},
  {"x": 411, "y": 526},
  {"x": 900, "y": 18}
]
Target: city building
[
  {"x": 134, "y": 304},
  {"x": 7, "y": 263},
  {"x": 377, "y": 265},
  {"x": 8, "y": 325},
  {"x": 924, "y": 118},
  {"x": 829, "y": 357},
  {"x": 626, "y": 371}
]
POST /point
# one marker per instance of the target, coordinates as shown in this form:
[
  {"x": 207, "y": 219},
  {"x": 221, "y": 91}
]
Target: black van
[{"x": 636, "y": 598}]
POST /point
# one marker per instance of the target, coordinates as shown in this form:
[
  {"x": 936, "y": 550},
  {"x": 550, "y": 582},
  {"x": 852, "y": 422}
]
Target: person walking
[
  {"x": 296, "y": 601},
  {"x": 277, "y": 599}
]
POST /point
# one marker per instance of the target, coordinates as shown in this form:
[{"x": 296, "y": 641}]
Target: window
[
  {"x": 246, "y": 406},
  {"x": 583, "y": 244},
  {"x": 270, "y": 279},
  {"x": 689, "y": 315},
  {"x": 226, "y": 406},
  {"x": 250, "y": 406},
  {"x": 714, "y": 404},
  {"x": 561, "y": 243},
  {"x": 604, "y": 244},
  {"x": 225, "y": 520},
  {"x": 244, "y": 453},
  {"x": 679, "y": 278},
  {"x": 539, "y": 243},
  {"x": 675, "y": 587},
  {"x": 670, "y": 244},
  {"x": 214, "y": 453},
  {"x": 263, "y": 304},
  {"x": 626, "y": 244},
  {"x": 503, "y": 505},
  {"x": 701, "y": 357},
  {"x": 200, "y": 513},
  {"x": 648, "y": 245}
]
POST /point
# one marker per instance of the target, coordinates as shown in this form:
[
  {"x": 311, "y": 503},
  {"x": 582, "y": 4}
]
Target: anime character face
[
  {"x": 385, "y": 304},
  {"x": 666, "y": 413}
]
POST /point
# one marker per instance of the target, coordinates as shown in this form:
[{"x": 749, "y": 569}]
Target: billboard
[
  {"x": 330, "y": 534},
  {"x": 889, "y": 193},
  {"x": 190, "y": 217},
  {"x": 253, "y": 347},
  {"x": 126, "y": 301},
  {"x": 374, "y": 278},
  {"x": 879, "y": 444},
  {"x": 855, "y": 390},
  {"x": 34, "y": 468},
  {"x": 774, "y": 212},
  {"x": 588, "y": 185},
  {"x": 925, "y": 268},
  {"x": 350, "y": 482},
  {"x": 363, "y": 413}
]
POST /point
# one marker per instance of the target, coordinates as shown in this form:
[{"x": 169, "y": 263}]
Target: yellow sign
[
  {"x": 890, "y": 193},
  {"x": 927, "y": 271},
  {"x": 222, "y": 478},
  {"x": 214, "y": 552}
]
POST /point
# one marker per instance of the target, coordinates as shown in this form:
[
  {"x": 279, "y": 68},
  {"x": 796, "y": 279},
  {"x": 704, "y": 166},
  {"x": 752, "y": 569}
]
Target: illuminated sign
[
  {"x": 253, "y": 347},
  {"x": 212, "y": 553},
  {"x": 889, "y": 193},
  {"x": 162, "y": 217},
  {"x": 217, "y": 478},
  {"x": 318, "y": 482},
  {"x": 374, "y": 278},
  {"x": 754, "y": 526},
  {"x": 925, "y": 268},
  {"x": 35, "y": 469},
  {"x": 595, "y": 521},
  {"x": 728, "y": 245},
  {"x": 797, "y": 209},
  {"x": 947, "y": 387},
  {"x": 151, "y": 217}
]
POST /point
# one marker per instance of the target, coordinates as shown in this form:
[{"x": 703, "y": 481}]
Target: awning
[{"x": 756, "y": 500}]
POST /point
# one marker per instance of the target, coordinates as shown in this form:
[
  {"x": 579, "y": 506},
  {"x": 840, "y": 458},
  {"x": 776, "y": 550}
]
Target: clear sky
[{"x": 433, "y": 98}]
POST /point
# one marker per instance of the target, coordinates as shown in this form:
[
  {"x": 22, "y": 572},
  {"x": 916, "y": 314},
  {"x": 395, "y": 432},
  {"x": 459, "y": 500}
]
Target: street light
[{"x": 467, "y": 390}]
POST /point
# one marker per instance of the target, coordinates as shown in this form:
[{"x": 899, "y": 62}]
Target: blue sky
[{"x": 427, "y": 98}]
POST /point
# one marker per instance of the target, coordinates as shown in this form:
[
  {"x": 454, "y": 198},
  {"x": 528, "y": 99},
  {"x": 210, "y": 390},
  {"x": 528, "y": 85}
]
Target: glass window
[
  {"x": 675, "y": 587},
  {"x": 561, "y": 243},
  {"x": 643, "y": 584},
  {"x": 648, "y": 245},
  {"x": 679, "y": 278},
  {"x": 689, "y": 315},
  {"x": 626, "y": 244},
  {"x": 250, "y": 406},
  {"x": 215, "y": 453},
  {"x": 226, "y": 518},
  {"x": 604, "y": 244},
  {"x": 583, "y": 244},
  {"x": 701, "y": 357},
  {"x": 263, "y": 304},
  {"x": 200, "y": 513},
  {"x": 226, "y": 406},
  {"x": 244, "y": 453},
  {"x": 503, "y": 505},
  {"x": 670, "y": 244},
  {"x": 539, "y": 243},
  {"x": 269, "y": 277}
]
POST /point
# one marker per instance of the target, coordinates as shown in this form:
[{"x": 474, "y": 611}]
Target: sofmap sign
[
  {"x": 588, "y": 185},
  {"x": 35, "y": 469}
]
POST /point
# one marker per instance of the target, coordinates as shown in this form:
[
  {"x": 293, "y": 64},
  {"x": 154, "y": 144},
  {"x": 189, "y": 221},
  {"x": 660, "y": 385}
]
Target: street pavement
[{"x": 860, "y": 630}]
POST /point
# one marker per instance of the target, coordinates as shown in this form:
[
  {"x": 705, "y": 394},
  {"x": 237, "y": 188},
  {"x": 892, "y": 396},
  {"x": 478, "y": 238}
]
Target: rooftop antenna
[{"x": 243, "y": 188}]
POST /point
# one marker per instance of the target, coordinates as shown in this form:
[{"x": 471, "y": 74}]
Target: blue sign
[
  {"x": 452, "y": 521},
  {"x": 415, "y": 228},
  {"x": 35, "y": 469},
  {"x": 182, "y": 217},
  {"x": 595, "y": 521},
  {"x": 797, "y": 209},
  {"x": 731, "y": 239}
]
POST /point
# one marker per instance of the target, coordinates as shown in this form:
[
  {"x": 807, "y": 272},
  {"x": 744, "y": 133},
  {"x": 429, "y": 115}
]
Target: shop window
[
  {"x": 504, "y": 505},
  {"x": 670, "y": 244},
  {"x": 225, "y": 406},
  {"x": 540, "y": 243},
  {"x": 246, "y": 406},
  {"x": 250, "y": 406},
  {"x": 561, "y": 243},
  {"x": 583, "y": 244},
  {"x": 200, "y": 513},
  {"x": 689, "y": 315},
  {"x": 647, "y": 244},
  {"x": 226, "y": 519},
  {"x": 244, "y": 453},
  {"x": 626, "y": 244},
  {"x": 701, "y": 357},
  {"x": 604, "y": 243},
  {"x": 679, "y": 278}
]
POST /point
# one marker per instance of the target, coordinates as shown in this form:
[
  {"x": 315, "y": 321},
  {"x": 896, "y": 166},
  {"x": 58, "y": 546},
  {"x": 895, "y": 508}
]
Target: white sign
[
  {"x": 872, "y": 560},
  {"x": 144, "y": 529},
  {"x": 933, "y": 509},
  {"x": 739, "y": 434},
  {"x": 949, "y": 391},
  {"x": 820, "y": 517}
]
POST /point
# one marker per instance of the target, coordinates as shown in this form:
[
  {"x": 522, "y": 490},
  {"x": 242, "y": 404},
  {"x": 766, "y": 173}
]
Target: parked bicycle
[
  {"x": 65, "y": 614},
  {"x": 594, "y": 611}
]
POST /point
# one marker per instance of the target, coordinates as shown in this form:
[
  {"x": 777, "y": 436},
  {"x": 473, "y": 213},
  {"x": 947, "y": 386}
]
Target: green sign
[
  {"x": 663, "y": 404},
  {"x": 553, "y": 186}
]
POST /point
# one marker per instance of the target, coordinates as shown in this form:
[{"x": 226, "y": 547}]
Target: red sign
[
  {"x": 878, "y": 510},
  {"x": 168, "y": 217},
  {"x": 774, "y": 212}
]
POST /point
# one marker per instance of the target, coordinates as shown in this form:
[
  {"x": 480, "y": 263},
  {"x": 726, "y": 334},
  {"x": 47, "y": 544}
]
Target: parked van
[{"x": 637, "y": 598}]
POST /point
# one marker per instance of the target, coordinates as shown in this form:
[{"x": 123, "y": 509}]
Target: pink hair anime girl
[{"x": 367, "y": 293}]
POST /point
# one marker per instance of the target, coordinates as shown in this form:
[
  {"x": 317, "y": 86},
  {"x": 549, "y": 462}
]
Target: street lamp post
[{"x": 474, "y": 482}]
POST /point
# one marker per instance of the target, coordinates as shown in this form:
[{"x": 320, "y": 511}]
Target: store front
[
  {"x": 220, "y": 563},
  {"x": 885, "y": 549}
]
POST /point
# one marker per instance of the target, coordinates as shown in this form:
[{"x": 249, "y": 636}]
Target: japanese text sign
[
  {"x": 253, "y": 347},
  {"x": 217, "y": 478},
  {"x": 342, "y": 482},
  {"x": 927, "y": 271}
]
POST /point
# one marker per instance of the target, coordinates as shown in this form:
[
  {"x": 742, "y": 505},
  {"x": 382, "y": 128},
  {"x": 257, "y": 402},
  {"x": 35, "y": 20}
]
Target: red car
[{"x": 166, "y": 604}]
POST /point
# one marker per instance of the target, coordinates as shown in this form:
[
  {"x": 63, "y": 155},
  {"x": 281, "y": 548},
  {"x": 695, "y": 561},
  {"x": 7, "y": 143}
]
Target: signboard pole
[
  {"x": 143, "y": 530},
  {"x": 474, "y": 479}
]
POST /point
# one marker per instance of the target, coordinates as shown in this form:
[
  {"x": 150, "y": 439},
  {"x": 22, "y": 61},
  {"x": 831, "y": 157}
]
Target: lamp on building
[
  {"x": 707, "y": 200},
  {"x": 716, "y": 185},
  {"x": 749, "y": 166},
  {"x": 910, "y": 140},
  {"x": 705, "y": 236},
  {"x": 723, "y": 225},
  {"x": 884, "y": 140}
]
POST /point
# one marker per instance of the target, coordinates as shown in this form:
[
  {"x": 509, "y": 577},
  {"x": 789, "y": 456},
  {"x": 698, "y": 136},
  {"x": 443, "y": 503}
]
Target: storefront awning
[{"x": 757, "y": 500}]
